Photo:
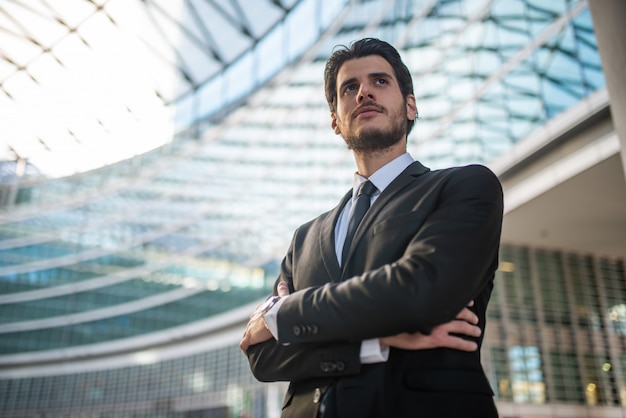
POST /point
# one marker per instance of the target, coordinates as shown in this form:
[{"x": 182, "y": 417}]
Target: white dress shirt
[{"x": 371, "y": 350}]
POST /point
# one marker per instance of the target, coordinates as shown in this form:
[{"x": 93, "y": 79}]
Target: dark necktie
[{"x": 362, "y": 205}]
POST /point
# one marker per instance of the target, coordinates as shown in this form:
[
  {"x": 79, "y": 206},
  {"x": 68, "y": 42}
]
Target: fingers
[
  {"x": 467, "y": 316},
  {"x": 245, "y": 339},
  {"x": 244, "y": 343},
  {"x": 282, "y": 288},
  {"x": 463, "y": 328},
  {"x": 256, "y": 332},
  {"x": 461, "y": 344},
  {"x": 454, "y": 333}
]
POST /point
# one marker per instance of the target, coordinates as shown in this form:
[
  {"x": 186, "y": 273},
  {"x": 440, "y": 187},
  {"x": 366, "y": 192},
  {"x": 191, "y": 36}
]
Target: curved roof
[
  {"x": 198, "y": 225},
  {"x": 96, "y": 79}
]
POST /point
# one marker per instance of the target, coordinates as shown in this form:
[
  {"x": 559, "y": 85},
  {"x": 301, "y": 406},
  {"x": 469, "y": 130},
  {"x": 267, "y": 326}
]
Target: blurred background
[{"x": 157, "y": 155}]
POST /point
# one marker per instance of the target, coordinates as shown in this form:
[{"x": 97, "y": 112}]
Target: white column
[{"x": 609, "y": 21}]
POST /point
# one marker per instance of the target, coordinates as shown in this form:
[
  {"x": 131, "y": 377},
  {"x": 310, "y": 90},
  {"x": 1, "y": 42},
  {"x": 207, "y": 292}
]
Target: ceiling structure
[
  {"x": 106, "y": 80},
  {"x": 85, "y": 83},
  {"x": 566, "y": 218},
  {"x": 241, "y": 149},
  {"x": 487, "y": 74}
]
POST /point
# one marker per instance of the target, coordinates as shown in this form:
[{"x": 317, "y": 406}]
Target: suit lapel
[
  {"x": 327, "y": 240},
  {"x": 404, "y": 180}
]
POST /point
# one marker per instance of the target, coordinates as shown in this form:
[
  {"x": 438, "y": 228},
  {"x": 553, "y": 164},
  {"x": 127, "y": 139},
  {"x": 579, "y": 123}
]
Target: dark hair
[{"x": 363, "y": 48}]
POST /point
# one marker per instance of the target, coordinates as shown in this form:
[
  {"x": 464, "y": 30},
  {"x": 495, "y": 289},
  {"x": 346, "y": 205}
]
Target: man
[{"x": 380, "y": 328}]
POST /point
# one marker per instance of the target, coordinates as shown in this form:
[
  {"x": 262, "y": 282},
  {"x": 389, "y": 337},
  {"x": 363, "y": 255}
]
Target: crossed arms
[{"x": 448, "y": 262}]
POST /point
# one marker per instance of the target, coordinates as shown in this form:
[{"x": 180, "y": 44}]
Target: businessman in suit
[{"x": 389, "y": 325}]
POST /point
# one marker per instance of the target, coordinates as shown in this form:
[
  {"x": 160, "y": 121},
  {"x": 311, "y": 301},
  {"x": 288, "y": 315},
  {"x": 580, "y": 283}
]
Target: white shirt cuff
[
  {"x": 373, "y": 352},
  {"x": 271, "y": 317}
]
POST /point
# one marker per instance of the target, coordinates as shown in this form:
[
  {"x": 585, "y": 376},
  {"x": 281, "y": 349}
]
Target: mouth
[{"x": 367, "y": 111}]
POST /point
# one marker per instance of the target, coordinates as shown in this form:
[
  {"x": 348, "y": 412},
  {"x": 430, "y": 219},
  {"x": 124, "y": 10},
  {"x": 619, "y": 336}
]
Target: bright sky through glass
[
  {"x": 88, "y": 83},
  {"x": 100, "y": 108}
]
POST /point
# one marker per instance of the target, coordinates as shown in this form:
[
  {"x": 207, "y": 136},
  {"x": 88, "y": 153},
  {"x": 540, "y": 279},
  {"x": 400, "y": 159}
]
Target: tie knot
[{"x": 367, "y": 189}]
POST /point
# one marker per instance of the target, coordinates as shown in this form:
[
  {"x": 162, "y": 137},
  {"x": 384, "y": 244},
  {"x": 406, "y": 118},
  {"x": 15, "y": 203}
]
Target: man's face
[{"x": 371, "y": 113}]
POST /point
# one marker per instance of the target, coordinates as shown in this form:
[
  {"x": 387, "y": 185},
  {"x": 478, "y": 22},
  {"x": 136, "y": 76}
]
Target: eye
[
  {"x": 381, "y": 81},
  {"x": 350, "y": 87}
]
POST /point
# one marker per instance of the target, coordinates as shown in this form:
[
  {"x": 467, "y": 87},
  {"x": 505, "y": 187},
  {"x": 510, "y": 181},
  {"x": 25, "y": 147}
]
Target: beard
[{"x": 375, "y": 139}]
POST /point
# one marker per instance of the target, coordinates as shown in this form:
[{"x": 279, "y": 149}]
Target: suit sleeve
[
  {"x": 449, "y": 261},
  {"x": 271, "y": 361}
]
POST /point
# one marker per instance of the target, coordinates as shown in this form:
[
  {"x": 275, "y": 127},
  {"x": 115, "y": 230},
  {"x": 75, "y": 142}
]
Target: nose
[{"x": 364, "y": 92}]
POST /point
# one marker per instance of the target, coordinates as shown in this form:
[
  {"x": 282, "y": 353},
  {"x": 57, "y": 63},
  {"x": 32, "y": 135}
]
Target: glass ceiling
[
  {"x": 85, "y": 83},
  {"x": 220, "y": 104},
  {"x": 236, "y": 183}
]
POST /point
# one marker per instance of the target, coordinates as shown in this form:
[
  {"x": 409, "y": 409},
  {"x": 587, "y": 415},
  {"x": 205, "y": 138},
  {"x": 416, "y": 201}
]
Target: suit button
[
  {"x": 296, "y": 331},
  {"x": 317, "y": 395},
  {"x": 314, "y": 329},
  {"x": 340, "y": 366}
]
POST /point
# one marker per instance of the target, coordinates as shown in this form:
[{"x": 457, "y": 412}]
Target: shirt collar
[{"x": 385, "y": 175}]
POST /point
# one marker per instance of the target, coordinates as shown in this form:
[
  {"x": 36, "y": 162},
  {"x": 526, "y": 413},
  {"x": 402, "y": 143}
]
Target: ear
[
  {"x": 411, "y": 107},
  {"x": 334, "y": 125}
]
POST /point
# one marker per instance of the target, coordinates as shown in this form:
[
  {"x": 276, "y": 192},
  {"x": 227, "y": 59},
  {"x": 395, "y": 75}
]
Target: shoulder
[
  {"x": 468, "y": 173},
  {"x": 467, "y": 170},
  {"x": 470, "y": 180}
]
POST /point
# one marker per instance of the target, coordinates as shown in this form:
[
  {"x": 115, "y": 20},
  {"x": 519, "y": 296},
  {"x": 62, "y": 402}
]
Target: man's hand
[
  {"x": 256, "y": 331},
  {"x": 464, "y": 324}
]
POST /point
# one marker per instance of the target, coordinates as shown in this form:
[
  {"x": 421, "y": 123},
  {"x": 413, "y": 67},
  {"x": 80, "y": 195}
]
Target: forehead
[{"x": 363, "y": 67}]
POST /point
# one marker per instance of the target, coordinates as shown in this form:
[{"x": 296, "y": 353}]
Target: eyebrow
[{"x": 380, "y": 74}]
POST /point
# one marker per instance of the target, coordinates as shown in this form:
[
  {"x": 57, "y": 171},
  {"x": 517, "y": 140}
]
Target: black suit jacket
[{"x": 427, "y": 246}]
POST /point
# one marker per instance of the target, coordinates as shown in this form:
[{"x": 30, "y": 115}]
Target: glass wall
[
  {"x": 555, "y": 335},
  {"x": 214, "y": 384},
  {"x": 197, "y": 227}
]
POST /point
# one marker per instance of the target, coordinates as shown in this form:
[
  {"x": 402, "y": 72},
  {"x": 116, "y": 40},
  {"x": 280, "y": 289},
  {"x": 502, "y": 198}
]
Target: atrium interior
[{"x": 156, "y": 157}]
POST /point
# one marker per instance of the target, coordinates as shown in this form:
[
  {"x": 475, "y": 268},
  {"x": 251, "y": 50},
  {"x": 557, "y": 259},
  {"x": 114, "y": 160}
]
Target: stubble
[{"x": 374, "y": 139}]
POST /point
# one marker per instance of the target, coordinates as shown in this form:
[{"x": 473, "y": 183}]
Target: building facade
[{"x": 124, "y": 289}]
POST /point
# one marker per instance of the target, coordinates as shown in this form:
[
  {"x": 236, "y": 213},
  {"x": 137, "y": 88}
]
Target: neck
[{"x": 367, "y": 163}]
